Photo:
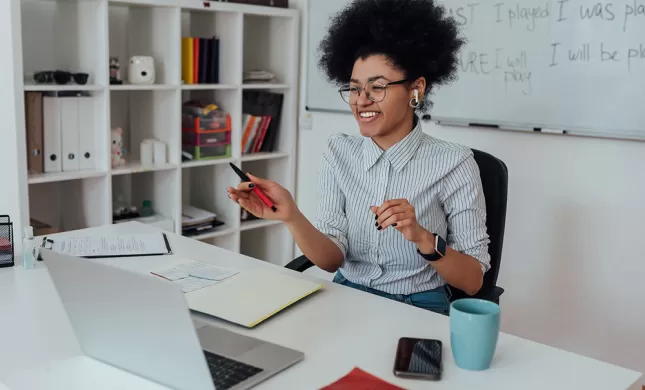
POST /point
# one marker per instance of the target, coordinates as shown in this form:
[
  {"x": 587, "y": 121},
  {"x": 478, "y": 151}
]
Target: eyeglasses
[
  {"x": 60, "y": 77},
  {"x": 374, "y": 90}
]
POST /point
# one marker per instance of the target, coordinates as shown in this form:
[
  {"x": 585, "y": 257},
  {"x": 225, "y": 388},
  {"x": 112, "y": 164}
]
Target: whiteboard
[{"x": 573, "y": 65}]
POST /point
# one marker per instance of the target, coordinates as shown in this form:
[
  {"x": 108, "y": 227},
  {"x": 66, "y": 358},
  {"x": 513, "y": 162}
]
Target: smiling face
[{"x": 381, "y": 119}]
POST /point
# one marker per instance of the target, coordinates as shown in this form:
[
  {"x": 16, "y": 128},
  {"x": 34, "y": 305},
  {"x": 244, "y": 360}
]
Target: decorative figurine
[
  {"x": 115, "y": 71},
  {"x": 117, "y": 148}
]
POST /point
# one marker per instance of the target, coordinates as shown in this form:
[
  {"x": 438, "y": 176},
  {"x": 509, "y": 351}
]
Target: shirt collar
[{"x": 398, "y": 154}]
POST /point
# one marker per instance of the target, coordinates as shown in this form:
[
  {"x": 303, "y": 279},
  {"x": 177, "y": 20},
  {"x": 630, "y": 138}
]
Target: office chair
[{"x": 494, "y": 177}]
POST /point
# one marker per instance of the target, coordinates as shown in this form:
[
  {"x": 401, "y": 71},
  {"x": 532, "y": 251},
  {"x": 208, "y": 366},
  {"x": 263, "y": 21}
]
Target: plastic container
[
  {"x": 147, "y": 151},
  {"x": 196, "y": 118},
  {"x": 146, "y": 209},
  {"x": 28, "y": 249},
  {"x": 206, "y": 139},
  {"x": 208, "y": 152}
]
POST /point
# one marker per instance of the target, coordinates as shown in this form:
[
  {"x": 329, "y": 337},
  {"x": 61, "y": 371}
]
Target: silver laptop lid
[{"x": 136, "y": 322}]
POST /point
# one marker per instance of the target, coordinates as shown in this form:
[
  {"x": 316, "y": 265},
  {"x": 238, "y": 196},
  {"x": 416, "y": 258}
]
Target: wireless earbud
[{"x": 416, "y": 94}]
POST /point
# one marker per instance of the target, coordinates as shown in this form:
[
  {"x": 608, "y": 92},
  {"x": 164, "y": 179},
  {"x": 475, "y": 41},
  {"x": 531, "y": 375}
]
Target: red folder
[{"x": 358, "y": 379}]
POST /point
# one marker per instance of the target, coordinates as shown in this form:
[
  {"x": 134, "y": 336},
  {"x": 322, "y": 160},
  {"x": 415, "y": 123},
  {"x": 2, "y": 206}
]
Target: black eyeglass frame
[{"x": 348, "y": 88}]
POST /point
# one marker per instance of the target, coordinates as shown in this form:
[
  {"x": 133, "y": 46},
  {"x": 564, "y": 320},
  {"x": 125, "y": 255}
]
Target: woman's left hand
[{"x": 399, "y": 214}]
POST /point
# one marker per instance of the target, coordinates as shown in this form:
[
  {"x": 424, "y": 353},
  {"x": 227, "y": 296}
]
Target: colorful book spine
[
  {"x": 187, "y": 56},
  {"x": 200, "y": 60}
]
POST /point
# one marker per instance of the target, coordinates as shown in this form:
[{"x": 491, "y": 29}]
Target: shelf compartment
[
  {"x": 146, "y": 30},
  {"x": 272, "y": 244},
  {"x": 161, "y": 188},
  {"x": 82, "y": 135},
  {"x": 71, "y": 205},
  {"x": 228, "y": 101},
  {"x": 205, "y": 188},
  {"x": 147, "y": 115},
  {"x": 277, "y": 170},
  {"x": 278, "y": 105},
  {"x": 268, "y": 44},
  {"x": 226, "y": 27},
  {"x": 64, "y": 35}
]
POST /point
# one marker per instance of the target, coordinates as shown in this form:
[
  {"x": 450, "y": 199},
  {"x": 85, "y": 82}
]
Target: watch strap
[{"x": 439, "y": 250}]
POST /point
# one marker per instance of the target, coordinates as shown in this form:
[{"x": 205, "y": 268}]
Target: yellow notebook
[
  {"x": 251, "y": 296},
  {"x": 187, "y": 60}
]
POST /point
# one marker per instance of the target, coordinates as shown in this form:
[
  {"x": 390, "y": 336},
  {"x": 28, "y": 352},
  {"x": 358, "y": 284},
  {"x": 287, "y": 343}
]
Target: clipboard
[{"x": 67, "y": 246}]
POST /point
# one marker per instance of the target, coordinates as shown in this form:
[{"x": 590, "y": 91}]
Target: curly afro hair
[{"x": 417, "y": 36}]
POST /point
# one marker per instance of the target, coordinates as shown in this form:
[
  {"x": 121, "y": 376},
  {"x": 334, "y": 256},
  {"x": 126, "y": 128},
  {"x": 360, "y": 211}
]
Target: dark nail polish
[
  {"x": 376, "y": 224},
  {"x": 251, "y": 185},
  {"x": 376, "y": 217},
  {"x": 393, "y": 224},
  {"x": 379, "y": 228}
]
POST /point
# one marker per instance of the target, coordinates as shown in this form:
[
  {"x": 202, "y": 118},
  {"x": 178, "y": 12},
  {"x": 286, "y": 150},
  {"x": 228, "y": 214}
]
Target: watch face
[{"x": 440, "y": 246}]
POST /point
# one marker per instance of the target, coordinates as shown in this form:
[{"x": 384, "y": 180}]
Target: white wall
[
  {"x": 573, "y": 263},
  {"x": 13, "y": 191}
]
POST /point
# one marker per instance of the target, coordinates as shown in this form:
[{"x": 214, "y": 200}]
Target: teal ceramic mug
[{"x": 474, "y": 329}]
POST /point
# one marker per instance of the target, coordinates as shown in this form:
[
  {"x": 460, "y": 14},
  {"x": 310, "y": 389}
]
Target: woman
[{"x": 401, "y": 213}]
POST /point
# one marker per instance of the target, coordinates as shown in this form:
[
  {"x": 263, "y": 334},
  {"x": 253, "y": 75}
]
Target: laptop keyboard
[{"x": 227, "y": 372}]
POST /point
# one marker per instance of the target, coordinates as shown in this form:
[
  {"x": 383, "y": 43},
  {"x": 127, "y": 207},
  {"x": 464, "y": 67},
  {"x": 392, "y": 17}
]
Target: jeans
[{"x": 436, "y": 300}]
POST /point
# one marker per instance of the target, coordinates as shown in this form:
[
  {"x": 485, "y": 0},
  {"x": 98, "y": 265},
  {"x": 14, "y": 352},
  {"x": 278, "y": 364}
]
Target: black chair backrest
[{"x": 494, "y": 177}]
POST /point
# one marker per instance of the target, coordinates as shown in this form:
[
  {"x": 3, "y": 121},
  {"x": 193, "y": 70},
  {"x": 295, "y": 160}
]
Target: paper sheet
[
  {"x": 197, "y": 270},
  {"x": 109, "y": 246},
  {"x": 191, "y": 284},
  {"x": 193, "y": 275}
]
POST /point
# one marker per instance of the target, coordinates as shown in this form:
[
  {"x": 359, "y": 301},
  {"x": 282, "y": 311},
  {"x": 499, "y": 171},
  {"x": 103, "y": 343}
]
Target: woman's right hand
[{"x": 243, "y": 195}]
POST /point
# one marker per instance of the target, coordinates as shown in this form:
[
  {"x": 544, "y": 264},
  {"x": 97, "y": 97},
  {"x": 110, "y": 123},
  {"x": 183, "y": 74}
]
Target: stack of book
[
  {"x": 195, "y": 221},
  {"x": 259, "y": 76},
  {"x": 261, "y": 122},
  {"x": 200, "y": 60}
]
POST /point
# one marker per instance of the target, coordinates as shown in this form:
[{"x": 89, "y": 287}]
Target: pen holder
[{"x": 6, "y": 242}]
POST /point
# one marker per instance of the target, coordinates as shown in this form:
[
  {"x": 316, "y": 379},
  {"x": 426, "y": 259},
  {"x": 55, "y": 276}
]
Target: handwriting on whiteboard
[{"x": 560, "y": 20}]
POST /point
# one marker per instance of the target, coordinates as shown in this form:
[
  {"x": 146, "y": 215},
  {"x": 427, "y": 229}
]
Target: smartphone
[{"x": 419, "y": 359}]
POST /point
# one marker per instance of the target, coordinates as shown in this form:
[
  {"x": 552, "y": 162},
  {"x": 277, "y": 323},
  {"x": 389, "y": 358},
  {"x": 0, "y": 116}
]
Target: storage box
[
  {"x": 201, "y": 119},
  {"x": 207, "y": 152},
  {"x": 206, "y": 139}
]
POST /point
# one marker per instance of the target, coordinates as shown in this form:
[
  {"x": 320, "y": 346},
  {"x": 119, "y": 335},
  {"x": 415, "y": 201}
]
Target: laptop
[{"x": 141, "y": 323}]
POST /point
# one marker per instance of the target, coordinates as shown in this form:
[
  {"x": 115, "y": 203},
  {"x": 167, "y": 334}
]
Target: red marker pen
[{"x": 256, "y": 190}]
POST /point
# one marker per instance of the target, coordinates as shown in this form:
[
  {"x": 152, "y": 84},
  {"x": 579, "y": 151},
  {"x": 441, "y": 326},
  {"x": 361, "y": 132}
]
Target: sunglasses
[{"x": 60, "y": 77}]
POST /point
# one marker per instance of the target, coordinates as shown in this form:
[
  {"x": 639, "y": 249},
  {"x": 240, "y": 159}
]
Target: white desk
[{"x": 337, "y": 328}]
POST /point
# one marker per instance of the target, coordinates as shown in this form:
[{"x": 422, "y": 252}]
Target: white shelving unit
[{"x": 81, "y": 35}]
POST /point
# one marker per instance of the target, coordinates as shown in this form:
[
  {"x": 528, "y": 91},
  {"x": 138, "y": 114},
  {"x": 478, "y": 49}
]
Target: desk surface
[{"x": 337, "y": 328}]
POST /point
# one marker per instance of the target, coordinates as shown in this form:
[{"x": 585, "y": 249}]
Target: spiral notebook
[{"x": 99, "y": 246}]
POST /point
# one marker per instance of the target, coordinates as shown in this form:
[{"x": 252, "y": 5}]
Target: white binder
[
  {"x": 87, "y": 151},
  {"x": 69, "y": 128},
  {"x": 52, "y": 134}
]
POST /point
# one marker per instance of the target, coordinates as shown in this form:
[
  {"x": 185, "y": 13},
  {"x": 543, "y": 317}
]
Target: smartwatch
[{"x": 439, "y": 249}]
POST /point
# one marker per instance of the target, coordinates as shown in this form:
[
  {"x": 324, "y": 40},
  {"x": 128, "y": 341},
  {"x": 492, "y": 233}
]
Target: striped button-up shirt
[{"x": 440, "y": 179}]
